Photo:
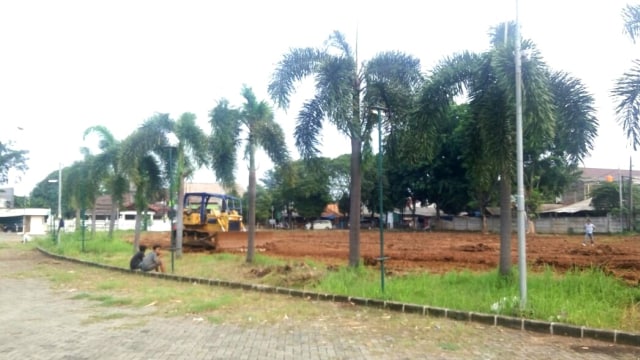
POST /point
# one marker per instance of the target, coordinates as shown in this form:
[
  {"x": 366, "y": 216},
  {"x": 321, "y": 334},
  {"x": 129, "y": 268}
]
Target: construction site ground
[{"x": 437, "y": 252}]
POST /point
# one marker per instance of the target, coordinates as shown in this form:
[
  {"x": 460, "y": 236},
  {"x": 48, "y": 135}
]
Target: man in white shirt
[{"x": 588, "y": 233}]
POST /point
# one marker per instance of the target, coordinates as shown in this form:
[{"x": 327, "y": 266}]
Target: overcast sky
[{"x": 69, "y": 65}]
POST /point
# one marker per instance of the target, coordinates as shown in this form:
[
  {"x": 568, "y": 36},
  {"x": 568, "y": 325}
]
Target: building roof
[
  {"x": 584, "y": 205},
  {"x": 594, "y": 174},
  {"x": 331, "y": 211},
  {"x": 209, "y": 187},
  {"x": 24, "y": 212}
]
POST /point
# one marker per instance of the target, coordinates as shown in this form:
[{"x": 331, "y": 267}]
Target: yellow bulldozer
[{"x": 207, "y": 214}]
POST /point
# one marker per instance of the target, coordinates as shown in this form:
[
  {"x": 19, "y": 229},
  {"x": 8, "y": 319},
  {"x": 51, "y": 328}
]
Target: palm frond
[
  {"x": 576, "y": 123},
  {"x": 295, "y": 65},
  {"x": 106, "y": 137},
  {"x": 192, "y": 139},
  {"x": 308, "y": 128},
  {"x": 338, "y": 41},
  {"x": 627, "y": 92},
  {"x": 631, "y": 17},
  {"x": 270, "y": 136},
  {"x": 335, "y": 85},
  {"x": 223, "y": 143}
]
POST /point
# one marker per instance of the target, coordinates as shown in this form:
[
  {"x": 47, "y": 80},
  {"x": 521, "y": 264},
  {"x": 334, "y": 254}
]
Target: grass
[{"x": 586, "y": 298}]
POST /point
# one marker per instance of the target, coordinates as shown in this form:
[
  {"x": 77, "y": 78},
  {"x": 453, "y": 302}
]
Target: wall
[{"x": 557, "y": 225}]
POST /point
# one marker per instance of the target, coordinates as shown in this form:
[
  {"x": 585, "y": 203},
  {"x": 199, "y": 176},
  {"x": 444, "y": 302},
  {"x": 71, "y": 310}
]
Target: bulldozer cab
[{"x": 207, "y": 214}]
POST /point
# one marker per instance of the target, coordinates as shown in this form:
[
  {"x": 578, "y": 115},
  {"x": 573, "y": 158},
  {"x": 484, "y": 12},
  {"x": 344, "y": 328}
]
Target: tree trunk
[
  {"x": 354, "y": 202},
  {"x": 136, "y": 236},
  {"x": 112, "y": 217},
  {"x": 251, "y": 222},
  {"x": 93, "y": 220},
  {"x": 505, "y": 224}
]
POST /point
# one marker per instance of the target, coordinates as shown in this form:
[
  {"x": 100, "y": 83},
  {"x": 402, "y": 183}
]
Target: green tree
[
  {"x": 606, "y": 197},
  {"x": 627, "y": 87},
  {"x": 114, "y": 179},
  {"x": 262, "y": 131},
  {"x": 11, "y": 158},
  {"x": 345, "y": 94},
  {"x": 306, "y": 185},
  {"x": 489, "y": 79},
  {"x": 139, "y": 158},
  {"x": 81, "y": 186},
  {"x": 264, "y": 202},
  {"x": 45, "y": 193}
]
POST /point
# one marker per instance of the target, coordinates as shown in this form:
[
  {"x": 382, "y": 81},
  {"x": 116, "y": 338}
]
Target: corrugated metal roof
[
  {"x": 23, "y": 212},
  {"x": 584, "y": 205}
]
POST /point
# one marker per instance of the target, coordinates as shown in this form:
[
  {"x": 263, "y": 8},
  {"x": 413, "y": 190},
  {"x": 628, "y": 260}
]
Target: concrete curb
[{"x": 538, "y": 326}]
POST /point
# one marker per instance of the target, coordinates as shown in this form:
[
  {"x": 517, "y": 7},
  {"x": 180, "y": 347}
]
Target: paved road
[{"x": 38, "y": 322}]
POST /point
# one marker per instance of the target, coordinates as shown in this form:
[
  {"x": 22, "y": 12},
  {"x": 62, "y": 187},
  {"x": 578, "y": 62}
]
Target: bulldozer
[{"x": 207, "y": 214}]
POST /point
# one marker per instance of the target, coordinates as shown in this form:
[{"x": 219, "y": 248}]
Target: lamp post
[
  {"x": 382, "y": 258},
  {"x": 272, "y": 222},
  {"x": 59, "y": 214},
  {"x": 172, "y": 143},
  {"x": 522, "y": 242},
  {"x": 59, "y": 200}
]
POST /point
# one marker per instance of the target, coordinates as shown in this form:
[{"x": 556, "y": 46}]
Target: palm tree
[
  {"x": 489, "y": 81},
  {"x": 191, "y": 155},
  {"x": 82, "y": 183},
  {"x": 627, "y": 88},
  {"x": 345, "y": 94},
  {"x": 114, "y": 179},
  {"x": 139, "y": 158},
  {"x": 262, "y": 131},
  {"x": 152, "y": 139}
]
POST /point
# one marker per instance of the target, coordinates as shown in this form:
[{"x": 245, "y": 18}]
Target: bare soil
[{"x": 438, "y": 252}]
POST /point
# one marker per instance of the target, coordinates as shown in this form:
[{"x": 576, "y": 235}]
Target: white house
[{"x": 25, "y": 220}]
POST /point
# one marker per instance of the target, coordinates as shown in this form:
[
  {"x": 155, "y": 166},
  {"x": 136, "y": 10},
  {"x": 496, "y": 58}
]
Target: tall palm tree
[
  {"x": 140, "y": 159},
  {"x": 345, "y": 93},
  {"x": 489, "y": 80},
  {"x": 114, "y": 179},
  {"x": 191, "y": 155},
  {"x": 81, "y": 182},
  {"x": 627, "y": 87},
  {"x": 261, "y": 130}
]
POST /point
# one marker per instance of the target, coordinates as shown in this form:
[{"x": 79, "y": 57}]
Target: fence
[{"x": 547, "y": 225}]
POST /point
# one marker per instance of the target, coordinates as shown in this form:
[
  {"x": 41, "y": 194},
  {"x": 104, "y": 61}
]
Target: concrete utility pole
[{"x": 522, "y": 242}]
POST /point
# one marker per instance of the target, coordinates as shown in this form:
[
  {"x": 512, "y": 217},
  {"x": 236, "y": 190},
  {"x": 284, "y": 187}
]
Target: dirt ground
[{"x": 439, "y": 252}]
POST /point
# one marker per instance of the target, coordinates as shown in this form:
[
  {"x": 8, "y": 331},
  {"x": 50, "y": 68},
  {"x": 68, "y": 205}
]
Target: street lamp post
[
  {"x": 520, "y": 202},
  {"x": 59, "y": 200},
  {"x": 59, "y": 214},
  {"x": 382, "y": 258},
  {"x": 171, "y": 212},
  {"x": 172, "y": 143}
]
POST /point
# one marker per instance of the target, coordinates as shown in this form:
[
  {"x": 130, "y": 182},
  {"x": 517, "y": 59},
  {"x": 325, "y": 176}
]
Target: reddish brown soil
[{"x": 440, "y": 251}]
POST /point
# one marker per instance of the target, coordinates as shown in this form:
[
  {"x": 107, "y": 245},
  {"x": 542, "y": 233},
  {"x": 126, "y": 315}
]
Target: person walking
[{"x": 588, "y": 233}]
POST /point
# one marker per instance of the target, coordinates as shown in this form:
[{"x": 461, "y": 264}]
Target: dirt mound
[{"x": 438, "y": 252}]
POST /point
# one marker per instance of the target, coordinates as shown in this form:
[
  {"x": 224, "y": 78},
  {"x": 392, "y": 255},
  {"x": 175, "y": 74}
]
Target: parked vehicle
[
  {"x": 321, "y": 225},
  {"x": 15, "y": 227},
  {"x": 368, "y": 223}
]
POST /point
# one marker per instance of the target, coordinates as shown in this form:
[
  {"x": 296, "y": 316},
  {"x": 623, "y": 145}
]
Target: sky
[{"x": 68, "y": 65}]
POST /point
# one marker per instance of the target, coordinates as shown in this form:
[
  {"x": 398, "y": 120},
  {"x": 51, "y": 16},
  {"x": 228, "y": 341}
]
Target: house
[
  {"x": 25, "y": 220},
  {"x": 580, "y": 208}
]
